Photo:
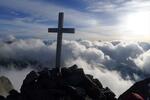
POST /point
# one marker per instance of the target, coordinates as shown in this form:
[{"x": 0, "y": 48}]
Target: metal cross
[{"x": 60, "y": 30}]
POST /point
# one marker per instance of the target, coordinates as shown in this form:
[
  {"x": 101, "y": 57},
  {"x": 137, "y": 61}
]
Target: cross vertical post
[
  {"x": 59, "y": 39},
  {"x": 60, "y": 30}
]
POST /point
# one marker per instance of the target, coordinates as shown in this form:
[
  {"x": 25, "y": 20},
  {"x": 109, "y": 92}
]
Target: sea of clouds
[{"x": 117, "y": 64}]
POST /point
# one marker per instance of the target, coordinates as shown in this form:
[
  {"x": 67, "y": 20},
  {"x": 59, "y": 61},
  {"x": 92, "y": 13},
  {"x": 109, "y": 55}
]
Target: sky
[
  {"x": 92, "y": 19},
  {"x": 116, "y": 63}
]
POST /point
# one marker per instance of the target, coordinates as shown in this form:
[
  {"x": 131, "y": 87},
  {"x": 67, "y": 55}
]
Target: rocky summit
[{"x": 71, "y": 84}]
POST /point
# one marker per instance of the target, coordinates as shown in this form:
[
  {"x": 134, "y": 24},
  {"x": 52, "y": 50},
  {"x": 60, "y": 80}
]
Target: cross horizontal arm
[
  {"x": 52, "y": 29},
  {"x": 63, "y": 30},
  {"x": 68, "y": 30}
]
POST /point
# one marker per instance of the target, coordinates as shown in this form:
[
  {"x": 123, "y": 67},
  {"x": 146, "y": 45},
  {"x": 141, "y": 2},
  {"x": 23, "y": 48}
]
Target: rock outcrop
[
  {"x": 141, "y": 88},
  {"x": 71, "y": 84},
  {"x": 5, "y": 86}
]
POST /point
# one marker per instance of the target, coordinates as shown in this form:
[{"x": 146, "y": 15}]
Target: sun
[{"x": 137, "y": 24}]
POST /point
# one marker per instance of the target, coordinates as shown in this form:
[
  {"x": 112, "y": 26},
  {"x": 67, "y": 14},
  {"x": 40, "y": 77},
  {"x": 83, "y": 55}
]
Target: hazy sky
[{"x": 92, "y": 19}]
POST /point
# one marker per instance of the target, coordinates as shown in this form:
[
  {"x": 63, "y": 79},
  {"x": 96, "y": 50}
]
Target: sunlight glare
[{"x": 138, "y": 24}]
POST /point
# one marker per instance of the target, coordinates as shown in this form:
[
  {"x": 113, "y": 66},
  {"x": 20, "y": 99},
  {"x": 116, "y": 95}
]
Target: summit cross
[{"x": 60, "y": 30}]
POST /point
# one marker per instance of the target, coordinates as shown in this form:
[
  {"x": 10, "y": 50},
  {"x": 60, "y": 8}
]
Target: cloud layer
[{"x": 117, "y": 64}]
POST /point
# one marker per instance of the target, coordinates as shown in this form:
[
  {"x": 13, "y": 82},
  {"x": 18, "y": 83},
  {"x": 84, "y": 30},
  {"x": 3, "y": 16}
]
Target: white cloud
[
  {"x": 116, "y": 64},
  {"x": 16, "y": 76},
  {"x": 118, "y": 6},
  {"x": 41, "y": 16},
  {"x": 21, "y": 27},
  {"x": 143, "y": 62},
  {"x": 47, "y": 11},
  {"x": 102, "y": 7}
]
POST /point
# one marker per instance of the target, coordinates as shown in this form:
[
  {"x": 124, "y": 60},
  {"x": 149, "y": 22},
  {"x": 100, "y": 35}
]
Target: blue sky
[{"x": 92, "y": 19}]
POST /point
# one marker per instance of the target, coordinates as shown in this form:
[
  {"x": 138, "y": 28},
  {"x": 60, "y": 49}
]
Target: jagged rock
[
  {"x": 74, "y": 76},
  {"x": 5, "y": 86},
  {"x": 2, "y": 98},
  {"x": 141, "y": 88},
  {"x": 134, "y": 96},
  {"x": 14, "y": 95},
  {"x": 109, "y": 95}
]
